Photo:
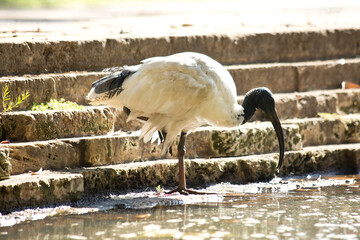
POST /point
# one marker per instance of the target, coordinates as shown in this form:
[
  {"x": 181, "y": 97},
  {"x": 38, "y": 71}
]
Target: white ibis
[{"x": 177, "y": 94}]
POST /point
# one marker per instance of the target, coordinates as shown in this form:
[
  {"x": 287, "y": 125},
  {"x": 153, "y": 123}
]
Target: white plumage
[{"x": 179, "y": 93}]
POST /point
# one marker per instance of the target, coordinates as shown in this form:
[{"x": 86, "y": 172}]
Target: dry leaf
[
  {"x": 349, "y": 85},
  {"x": 143, "y": 215},
  {"x": 36, "y": 173}
]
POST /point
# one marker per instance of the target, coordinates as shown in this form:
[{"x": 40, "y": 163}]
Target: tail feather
[
  {"x": 170, "y": 138},
  {"x": 159, "y": 122},
  {"x": 153, "y": 124}
]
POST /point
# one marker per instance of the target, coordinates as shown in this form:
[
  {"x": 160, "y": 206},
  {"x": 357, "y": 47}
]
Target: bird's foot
[{"x": 186, "y": 191}]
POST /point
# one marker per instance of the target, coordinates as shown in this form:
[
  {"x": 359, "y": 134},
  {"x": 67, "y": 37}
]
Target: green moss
[
  {"x": 296, "y": 140},
  {"x": 54, "y": 104},
  {"x": 353, "y": 108},
  {"x": 5, "y": 165},
  {"x": 125, "y": 145},
  {"x": 247, "y": 171},
  {"x": 223, "y": 142},
  {"x": 109, "y": 148},
  {"x": 46, "y": 129},
  {"x": 352, "y": 129},
  {"x": 329, "y": 116}
]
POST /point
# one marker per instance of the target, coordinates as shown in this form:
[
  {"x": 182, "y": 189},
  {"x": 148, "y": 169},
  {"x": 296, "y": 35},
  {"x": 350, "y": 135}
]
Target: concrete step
[
  {"x": 26, "y": 190},
  {"x": 125, "y": 147},
  {"x": 41, "y": 56},
  {"x": 279, "y": 77}
]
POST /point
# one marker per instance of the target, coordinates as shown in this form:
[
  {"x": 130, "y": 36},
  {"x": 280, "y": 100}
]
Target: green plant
[
  {"x": 54, "y": 104},
  {"x": 329, "y": 116},
  {"x": 159, "y": 189},
  {"x": 10, "y": 105}
]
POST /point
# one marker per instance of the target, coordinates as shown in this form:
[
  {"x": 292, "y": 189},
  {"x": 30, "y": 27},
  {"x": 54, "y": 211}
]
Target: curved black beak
[
  {"x": 263, "y": 99},
  {"x": 273, "y": 117}
]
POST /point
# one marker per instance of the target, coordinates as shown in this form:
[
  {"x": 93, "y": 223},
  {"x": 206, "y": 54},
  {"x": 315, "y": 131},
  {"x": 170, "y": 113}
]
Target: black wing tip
[
  {"x": 111, "y": 82},
  {"x": 103, "y": 79}
]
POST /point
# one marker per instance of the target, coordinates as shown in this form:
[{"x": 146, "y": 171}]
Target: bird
[{"x": 176, "y": 94}]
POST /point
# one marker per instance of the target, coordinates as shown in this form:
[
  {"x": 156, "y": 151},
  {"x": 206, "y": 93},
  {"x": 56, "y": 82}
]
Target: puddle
[{"x": 308, "y": 207}]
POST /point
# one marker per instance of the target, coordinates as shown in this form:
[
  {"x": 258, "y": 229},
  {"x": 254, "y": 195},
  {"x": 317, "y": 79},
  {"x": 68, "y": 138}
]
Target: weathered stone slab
[
  {"x": 205, "y": 142},
  {"x": 278, "y": 77},
  {"x": 5, "y": 165},
  {"x": 33, "y": 57},
  {"x": 54, "y": 187},
  {"x": 43, "y": 125},
  {"x": 165, "y": 172},
  {"x": 49, "y": 155},
  {"x": 121, "y": 123},
  {"x": 309, "y": 104},
  {"x": 344, "y": 158},
  {"x": 297, "y": 76},
  {"x": 305, "y": 104},
  {"x": 41, "y": 89},
  {"x": 327, "y": 74},
  {"x": 122, "y": 148},
  {"x": 70, "y": 86},
  {"x": 341, "y": 158},
  {"x": 251, "y": 138},
  {"x": 348, "y": 101},
  {"x": 36, "y": 190},
  {"x": 29, "y": 126},
  {"x": 331, "y": 129}
]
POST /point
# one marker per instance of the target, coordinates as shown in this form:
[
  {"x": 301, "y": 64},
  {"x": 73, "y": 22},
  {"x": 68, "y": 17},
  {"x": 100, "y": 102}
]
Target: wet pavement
[{"x": 307, "y": 207}]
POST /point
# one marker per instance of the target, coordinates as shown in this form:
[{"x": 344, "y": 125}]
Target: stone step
[
  {"x": 309, "y": 104},
  {"x": 199, "y": 172},
  {"x": 296, "y": 76},
  {"x": 251, "y": 138},
  {"x": 48, "y": 187},
  {"x": 25, "y": 126},
  {"x": 43, "y": 125},
  {"x": 41, "y": 56},
  {"x": 27, "y": 190},
  {"x": 328, "y": 129},
  {"x": 279, "y": 77},
  {"x": 125, "y": 147},
  {"x": 72, "y": 86}
]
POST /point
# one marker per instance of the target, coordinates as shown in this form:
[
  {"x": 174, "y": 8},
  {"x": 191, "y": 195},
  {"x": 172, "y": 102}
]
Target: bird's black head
[{"x": 263, "y": 99}]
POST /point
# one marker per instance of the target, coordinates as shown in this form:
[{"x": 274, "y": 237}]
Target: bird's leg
[
  {"x": 181, "y": 155},
  {"x": 182, "y": 181}
]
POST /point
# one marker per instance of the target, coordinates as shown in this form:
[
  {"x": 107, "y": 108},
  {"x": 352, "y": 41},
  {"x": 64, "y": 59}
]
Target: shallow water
[{"x": 295, "y": 208}]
